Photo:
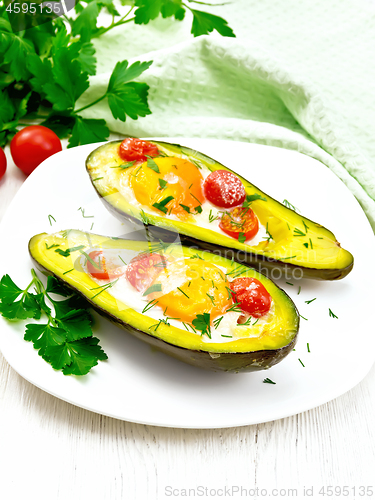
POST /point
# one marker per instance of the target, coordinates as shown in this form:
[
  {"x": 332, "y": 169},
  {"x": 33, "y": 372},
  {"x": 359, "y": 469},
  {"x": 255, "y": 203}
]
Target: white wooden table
[{"x": 51, "y": 450}]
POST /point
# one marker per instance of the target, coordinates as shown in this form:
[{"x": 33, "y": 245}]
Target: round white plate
[{"x": 140, "y": 385}]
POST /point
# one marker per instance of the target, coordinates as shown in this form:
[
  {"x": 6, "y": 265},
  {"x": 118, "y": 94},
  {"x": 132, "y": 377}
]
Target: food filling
[
  {"x": 186, "y": 191},
  {"x": 189, "y": 293}
]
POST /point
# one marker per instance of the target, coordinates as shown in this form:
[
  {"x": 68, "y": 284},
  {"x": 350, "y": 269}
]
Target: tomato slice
[
  {"x": 143, "y": 269},
  {"x": 105, "y": 268},
  {"x": 224, "y": 189},
  {"x": 251, "y": 296},
  {"x": 132, "y": 149},
  {"x": 240, "y": 222}
]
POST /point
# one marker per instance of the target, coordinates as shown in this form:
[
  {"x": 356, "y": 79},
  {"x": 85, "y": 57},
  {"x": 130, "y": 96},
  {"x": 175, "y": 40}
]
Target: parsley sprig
[
  {"x": 45, "y": 68},
  {"x": 65, "y": 340}
]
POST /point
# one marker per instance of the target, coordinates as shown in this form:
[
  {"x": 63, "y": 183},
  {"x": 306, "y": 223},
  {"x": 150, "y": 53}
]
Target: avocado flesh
[
  {"x": 244, "y": 354},
  {"x": 298, "y": 244}
]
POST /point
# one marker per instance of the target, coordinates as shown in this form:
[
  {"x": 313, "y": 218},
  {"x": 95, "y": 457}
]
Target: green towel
[{"x": 300, "y": 75}]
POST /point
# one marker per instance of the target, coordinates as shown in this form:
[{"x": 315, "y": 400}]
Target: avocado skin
[
  {"x": 226, "y": 362},
  {"x": 258, "y": 261}
]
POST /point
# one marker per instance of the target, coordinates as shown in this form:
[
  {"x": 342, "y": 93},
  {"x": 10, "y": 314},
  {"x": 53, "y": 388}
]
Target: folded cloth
[{"x": 299, "y": 75}]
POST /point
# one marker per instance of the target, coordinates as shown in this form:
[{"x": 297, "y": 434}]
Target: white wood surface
[{"x": 51, "y": 450}]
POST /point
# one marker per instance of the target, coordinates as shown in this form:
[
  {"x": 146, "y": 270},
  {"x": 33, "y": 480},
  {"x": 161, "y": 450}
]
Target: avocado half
[
  {"x": 244, "y": 354},
  {"x": 299, "y": 247}
]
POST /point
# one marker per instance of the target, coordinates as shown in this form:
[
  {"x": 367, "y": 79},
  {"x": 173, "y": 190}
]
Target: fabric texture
[{"x": 299, "y": 75}]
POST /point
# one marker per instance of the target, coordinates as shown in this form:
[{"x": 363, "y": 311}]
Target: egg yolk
[
  {"x": 178, "y": 179},
  {"x": 190, "y": 287}
]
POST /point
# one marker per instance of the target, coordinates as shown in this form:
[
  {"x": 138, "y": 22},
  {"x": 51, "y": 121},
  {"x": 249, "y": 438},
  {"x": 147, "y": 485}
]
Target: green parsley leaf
[
  {"x": 162, "y": 183},
  {"x": 204, "y": 23},
  {"x": 202, "y": 323},
  {"x": 77, "y": 324},
  {"x": 87, "y": 131},
  {"x": 252, "y": 197},
  {"x": 241, "y": 237},
  {"x": 153, "y": 165},
  {"x": 54, "y": 286},
  {"x": 185, "y": 207},
  {"x": 199, "y": 209},
  {"x": 153, "y": 288},
  {"x": 43, "y": 336},
  {"x": 84, "y": 355},
  {"x": 162, "y": 204},
  {"x": 9, "y": 291}
]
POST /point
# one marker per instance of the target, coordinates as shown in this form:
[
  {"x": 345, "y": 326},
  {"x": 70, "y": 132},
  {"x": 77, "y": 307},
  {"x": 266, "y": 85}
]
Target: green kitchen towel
[{"x": 299, "y": 75}]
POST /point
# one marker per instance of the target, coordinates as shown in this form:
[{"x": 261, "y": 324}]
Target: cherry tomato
[
  {"x": 224, "y": 189},
  {"x": 132, "y": 149},
  {"x": 240, "y": 221},
  {"x": 143, "y": 269},
  {"x": 3, "y": 163},
  {"x": 104, "y": 268},
  {"x": 251, "y": 296},
  {"x": 32, "y": 145}
]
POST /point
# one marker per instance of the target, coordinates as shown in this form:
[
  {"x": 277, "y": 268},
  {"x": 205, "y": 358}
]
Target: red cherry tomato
[
  {"x": 32, "y": 145},
  {"x": 240, "y": 221},
  {"x": 224, "y": 189},
  {"x": 132, "y": 149},
  {"x": 143, "y": 269},
  {"x": 251, "y": 296},
  {"x": 104, "y": 268},
  {"x": 3, "y": 163}
]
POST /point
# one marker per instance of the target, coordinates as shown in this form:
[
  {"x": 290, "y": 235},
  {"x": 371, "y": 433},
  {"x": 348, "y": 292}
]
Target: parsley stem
[
  {"x": 91, "y": 104},
  {"x": 114, "y": 25}
]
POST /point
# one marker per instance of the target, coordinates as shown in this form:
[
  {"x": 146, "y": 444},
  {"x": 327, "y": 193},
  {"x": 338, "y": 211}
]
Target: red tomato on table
[
  {"x": 251, "y": 296},
  {"x": 224, "y": 189},
  {"x": 3, "y": 163},
  {"x": 32, "y": 145},
  {"x": 132, "y": 149}
]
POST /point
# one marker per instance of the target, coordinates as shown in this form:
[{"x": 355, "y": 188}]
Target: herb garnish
[
  {"x": 161, "y": 205},
  {"x": 178, "y": 288},
  {"x": 298, "y": 232},
  {"x": 306, "y": 227},
  {"x": 301, "y": 362},
  {"x": 308, "y": 347},
  {"x": 311, "y": 245},
  {"x": 196, "y": 256},
  {"x": 162, "y": 184},
  {"x": 65, "y": 341},
  {"x": 51, "y": 217},
  {"x": 332, "y": 315},
  {"x": 51, "y": 246},
  {"x": 152, "y": 164},
  {"x": 97, "y": 179},
  {"x": 203, "y": 323},
  {"x": 289, "y": 205},
  {"x": 103, "y": 287},
  {"x": 234, "y": 308},
  {"x": 156, "y": 287},
  {"x": 211, "y": 298},
  {"x": 217, "y": 321},
  {"x": 309, "y": 301},
  {"x": 149, "y": 305},
  {"x": 144, "y": 218},
  {"x": 185, "y": 207},
  {"x": 211, "y": 217},
  {"x": 83, "y": 213},
  {"x": 291, "y": 284},
  {"x": 241, "y": 237},
  {"x": 198, "y": 209},
  {"x": 268, "y": 381},
  {"x": 303, "y": 317},
  {"x": 124, "y": 166},
  {"x": 68, "y": 251},
  {"x": 252, "y": 197}
]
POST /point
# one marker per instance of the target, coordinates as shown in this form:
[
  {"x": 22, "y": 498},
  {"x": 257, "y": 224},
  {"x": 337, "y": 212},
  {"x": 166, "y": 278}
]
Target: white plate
[{"x": 140, "y": 385}]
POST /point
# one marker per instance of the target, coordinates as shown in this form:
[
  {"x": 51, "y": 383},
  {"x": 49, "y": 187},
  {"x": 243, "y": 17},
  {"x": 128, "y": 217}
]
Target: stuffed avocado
[
  {"x": 196, "y": 306},
  {"x": 171, "y": 188}
]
